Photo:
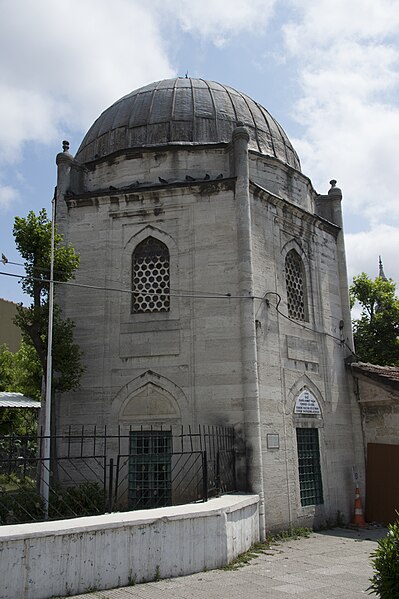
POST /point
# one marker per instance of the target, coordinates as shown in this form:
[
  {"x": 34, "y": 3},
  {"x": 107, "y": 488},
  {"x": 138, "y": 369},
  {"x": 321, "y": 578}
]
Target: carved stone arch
[
  {"x": 294, "y": 244},
  {"x": 304, "y": 382},
  {"x": 150, "y": 231},
  {"x": 149, "y": 398}
]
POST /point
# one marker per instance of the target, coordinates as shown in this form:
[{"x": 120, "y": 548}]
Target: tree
[
  {"x": 21, "y": 373},
  {"x": 376, "y": 332},
  {"x": 33, "y": 240}
]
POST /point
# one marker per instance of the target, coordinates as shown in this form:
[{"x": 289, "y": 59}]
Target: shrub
[
  {"x": 86, "y": 499},
  {"x": 19, "y": 501},
  {"x": 385, "y": 581}
]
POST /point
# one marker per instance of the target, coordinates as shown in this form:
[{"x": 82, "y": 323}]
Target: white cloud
[
  {"x": 347, "y": 55},
  {"x": 219, "y": 20},
  {"x": 323, "y": 23},
  {"x": 7, "y": 195},
  {"x": 364, "y": 248},
  {"x": 62, "y": 64},
  {"x": 26, "y": 115}
]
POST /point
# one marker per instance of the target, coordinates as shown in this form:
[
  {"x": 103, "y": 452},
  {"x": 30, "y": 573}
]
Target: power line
[
  {"x": 43, "y": 269},
  {"x": 303, "y": 326},
  {"x": 188, "y": 295},
  {"x": 40, "y": 268},
  {"x": 176, "y": 293}
]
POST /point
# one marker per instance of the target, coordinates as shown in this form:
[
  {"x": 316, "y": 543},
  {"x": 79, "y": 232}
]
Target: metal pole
[
  {"x": 204, "y": 477},
  {"x": 110, "y": 484},
  {"x": 47, "y": 426}
]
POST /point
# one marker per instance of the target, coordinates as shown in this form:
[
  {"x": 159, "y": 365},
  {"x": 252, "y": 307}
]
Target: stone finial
[
  {"x": 334, "y": 190},
  {"x": 64, "y": 157}
]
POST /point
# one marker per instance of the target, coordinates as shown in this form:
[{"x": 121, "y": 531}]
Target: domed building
[{"x": 221, "y": 292}]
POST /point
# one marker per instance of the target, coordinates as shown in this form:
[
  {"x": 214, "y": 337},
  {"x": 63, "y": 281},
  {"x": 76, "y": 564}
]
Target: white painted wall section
[{"x": 41, "y": 560}]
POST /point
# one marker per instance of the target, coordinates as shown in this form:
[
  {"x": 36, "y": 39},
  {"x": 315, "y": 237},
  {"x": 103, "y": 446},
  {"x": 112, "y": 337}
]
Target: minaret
[{"x": 381, "y": 273}]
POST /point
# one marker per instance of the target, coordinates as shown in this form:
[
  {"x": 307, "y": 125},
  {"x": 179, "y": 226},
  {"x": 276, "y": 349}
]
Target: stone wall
[
  {"x": 293, "y": 355},
  {"x": 67, "y": 557},
  {"x": 379, "y": 402},
  {"x": 228, "y": 218}
]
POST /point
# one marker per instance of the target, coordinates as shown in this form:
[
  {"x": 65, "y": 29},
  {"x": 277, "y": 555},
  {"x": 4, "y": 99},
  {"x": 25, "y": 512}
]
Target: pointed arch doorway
[{"x": 148, "y": 406}]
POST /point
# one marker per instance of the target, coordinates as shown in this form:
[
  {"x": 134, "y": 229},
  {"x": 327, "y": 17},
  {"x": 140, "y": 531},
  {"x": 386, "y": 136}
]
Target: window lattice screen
[
  {"x": 294, "y": 277},
  {"x": 150, "y": 277}
]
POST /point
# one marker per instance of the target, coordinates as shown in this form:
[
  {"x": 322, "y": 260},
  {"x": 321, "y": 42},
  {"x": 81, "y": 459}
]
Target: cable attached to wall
[{"x": 190, "y": 295}]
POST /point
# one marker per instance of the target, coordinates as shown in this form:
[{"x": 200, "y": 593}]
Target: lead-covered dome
[{"x": 184, "y": 111}]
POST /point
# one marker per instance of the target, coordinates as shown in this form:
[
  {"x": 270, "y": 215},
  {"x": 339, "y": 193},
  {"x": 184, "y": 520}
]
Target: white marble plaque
[{"x": 306, "y": 403}]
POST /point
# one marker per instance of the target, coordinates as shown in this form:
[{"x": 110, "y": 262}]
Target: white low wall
[{"x": 48, "y": 559}]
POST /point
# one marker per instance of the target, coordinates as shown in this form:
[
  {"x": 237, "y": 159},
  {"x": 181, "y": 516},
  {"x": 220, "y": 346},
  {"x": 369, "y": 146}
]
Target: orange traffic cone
[{"x": 358, "y": 518}]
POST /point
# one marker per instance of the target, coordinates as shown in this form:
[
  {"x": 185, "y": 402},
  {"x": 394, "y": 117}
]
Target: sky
[{"x": 327, "y": 70}]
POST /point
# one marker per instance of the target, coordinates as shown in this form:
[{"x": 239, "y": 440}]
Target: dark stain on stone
[{"x": 133, "y": 197}]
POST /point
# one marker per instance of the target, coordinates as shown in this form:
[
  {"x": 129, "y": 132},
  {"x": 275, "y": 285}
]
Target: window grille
[
  {"x": 310, "y": 482},
  {"x": 150, "y": 483},
  {"x": 150, "y": 277},
  {"x": 296, "y": 290}
]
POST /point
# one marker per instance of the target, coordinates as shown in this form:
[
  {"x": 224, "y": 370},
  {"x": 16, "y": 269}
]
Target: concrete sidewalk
[{"x": 330, "y": 564}]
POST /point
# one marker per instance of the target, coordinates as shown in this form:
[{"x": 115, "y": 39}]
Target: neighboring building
[
  {"x": 190, "y": 195},
  {"x": 9, "y": 332},
  {"x": 377, "y": 391}
]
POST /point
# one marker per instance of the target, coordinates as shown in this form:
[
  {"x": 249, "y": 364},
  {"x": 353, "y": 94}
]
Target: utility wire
[
  {"x": 303, "y": 326},
  {"x": 172, "y": 293},
  {"x": 43, "y": 269},
  {"x": 40, "y": 268},
  {"x": 192, "y": 295}
]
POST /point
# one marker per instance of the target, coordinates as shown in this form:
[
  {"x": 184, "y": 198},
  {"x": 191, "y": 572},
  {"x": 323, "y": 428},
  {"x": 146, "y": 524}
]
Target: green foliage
[
  {"x": 20, "y": 373},
  {"x": 291, "y": 533},
  {"x": 385, "y": 582},
  {"x": 33, "y": 239},
  {"x": 263, "y": 547},
  {"x": 376, "y": 332},
  {"x": 86, "y": 499},
  {"x": 66, "y": 354},
  {"x": 18, "y": 421},
  {"x": 21, "y": 502},
  {"x": 6, "y": 369}
]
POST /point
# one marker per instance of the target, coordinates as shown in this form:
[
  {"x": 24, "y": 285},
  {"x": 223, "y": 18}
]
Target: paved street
[{"x": 327, "y": 565}]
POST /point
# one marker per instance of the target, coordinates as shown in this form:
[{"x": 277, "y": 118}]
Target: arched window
[
  {"x": 296, "y": 286},
  {"x": 150, "y": 277}
]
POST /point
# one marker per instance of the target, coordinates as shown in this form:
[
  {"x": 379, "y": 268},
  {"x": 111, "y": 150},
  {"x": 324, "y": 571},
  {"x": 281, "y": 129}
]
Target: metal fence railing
[{"x": 94, "y": 471}]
